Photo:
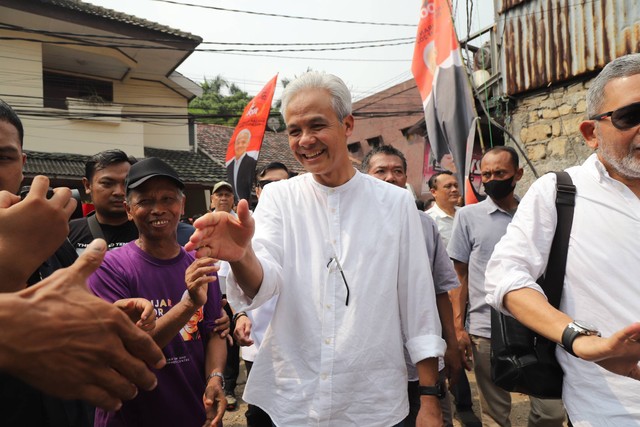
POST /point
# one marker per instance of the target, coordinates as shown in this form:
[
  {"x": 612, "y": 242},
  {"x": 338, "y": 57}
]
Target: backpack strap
[
  {"x": 565, "y": 204},
  {"x": 94, "y": 227}
]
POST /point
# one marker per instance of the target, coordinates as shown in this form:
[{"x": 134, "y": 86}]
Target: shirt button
[
  {"x": 327, "y": 341},
  {"x": 328, "y": 306},
  {"x": 323, "y": 376}
]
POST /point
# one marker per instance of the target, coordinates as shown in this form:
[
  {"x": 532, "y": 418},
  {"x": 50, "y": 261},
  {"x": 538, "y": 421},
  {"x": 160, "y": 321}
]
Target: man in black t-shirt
[{"x": 104, "y": 178}]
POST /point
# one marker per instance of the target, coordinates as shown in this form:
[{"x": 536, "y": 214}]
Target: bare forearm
[
  {"x": 248, "y": 273},
  {"x": 168, "y": 326},
  {"x": 533, "y": 310},
  {"x": 216, "y": 354},
  {"x": 460, "y": 295},
  {"x": 445, "y": 312}
]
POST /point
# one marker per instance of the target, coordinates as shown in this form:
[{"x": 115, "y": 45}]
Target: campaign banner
[
  {"x": 244, "y": 146},
  {"x": 444, "y": 88}
]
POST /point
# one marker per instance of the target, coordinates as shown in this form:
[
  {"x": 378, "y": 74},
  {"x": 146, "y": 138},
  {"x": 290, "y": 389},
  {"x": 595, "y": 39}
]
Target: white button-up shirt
[
  {"x": 601, "y": 285},
  {"x": 322, "y": 362}
]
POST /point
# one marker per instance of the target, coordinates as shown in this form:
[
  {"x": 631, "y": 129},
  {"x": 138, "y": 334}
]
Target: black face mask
[{"x": 498, "y": 190}]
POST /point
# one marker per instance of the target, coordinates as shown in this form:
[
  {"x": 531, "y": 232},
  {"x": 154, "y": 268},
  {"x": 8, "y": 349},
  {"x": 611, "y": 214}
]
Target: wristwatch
[
  {"x": 573, "y": 331},
  {"x": 216, "y": 374},
  {"x": 437, "y": 390}
]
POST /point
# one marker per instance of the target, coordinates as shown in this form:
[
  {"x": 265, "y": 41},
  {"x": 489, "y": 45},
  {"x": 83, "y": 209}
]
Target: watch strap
[
  {"x": 216, "y": 374},
  {"x": 569, "y": 335},
  {"x": 434, "y": 390}
]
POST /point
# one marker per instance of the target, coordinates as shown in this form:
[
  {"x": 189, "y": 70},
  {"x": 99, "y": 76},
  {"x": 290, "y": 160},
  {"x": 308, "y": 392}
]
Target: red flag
[
  {"x": 245, "y": 143},
  {"x": 444, "y": 88}
]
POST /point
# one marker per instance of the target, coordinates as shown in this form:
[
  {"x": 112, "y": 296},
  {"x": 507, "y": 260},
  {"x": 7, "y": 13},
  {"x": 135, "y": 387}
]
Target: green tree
[{"x": 221, "y": 99}]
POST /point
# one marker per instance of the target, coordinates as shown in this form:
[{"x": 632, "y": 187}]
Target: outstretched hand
[
  {"x": 222, "y": 236},
  {"x": 36, "y": 226},
  {"x": 81, "y": 347},
  {"x": 619, "y": 353}
]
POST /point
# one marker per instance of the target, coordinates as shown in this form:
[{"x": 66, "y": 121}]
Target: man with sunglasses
[
  {"x": 597, "y": 325},
  {"x": 345, "y": 254}
]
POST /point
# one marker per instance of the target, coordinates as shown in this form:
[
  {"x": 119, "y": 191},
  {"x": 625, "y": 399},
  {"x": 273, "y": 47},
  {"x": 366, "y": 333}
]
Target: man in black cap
[{"x": 157, "y": 268}]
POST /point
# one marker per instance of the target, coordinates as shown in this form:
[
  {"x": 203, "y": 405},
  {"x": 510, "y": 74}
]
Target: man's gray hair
[
  {"x": 625, "y": 66},
  {"x": 340, "y": 95}
]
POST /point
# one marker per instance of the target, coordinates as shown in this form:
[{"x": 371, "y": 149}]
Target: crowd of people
[{"x": 348, "y": 305}]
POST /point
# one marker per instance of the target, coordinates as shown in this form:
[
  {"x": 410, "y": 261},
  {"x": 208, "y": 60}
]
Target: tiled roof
[
  {"x": 102, "y": 12},
  {"x": 55, "y": 165},
  {"x": 213, "y": 140},
  {"x": 193, "y": 168}
]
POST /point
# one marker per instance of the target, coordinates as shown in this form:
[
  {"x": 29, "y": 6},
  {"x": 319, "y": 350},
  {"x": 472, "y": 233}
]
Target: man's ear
[
  {"x": 588, "y": 131},
  {"x": 518, "y": 174},
  {"x": 127, "y": 208},
  {"x": 349, "y": 123},
  {"x": 87, "y": 185}
]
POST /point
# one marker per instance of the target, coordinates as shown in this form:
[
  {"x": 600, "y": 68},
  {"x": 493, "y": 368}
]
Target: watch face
[{"x": 585, "y": 327}]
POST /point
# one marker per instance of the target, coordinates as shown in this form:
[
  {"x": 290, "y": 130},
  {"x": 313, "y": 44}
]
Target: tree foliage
[{"x": 221, "y": 99}]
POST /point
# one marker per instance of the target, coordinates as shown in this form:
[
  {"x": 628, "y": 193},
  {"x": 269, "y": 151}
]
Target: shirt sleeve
[
  {"x": 418, "y": 311},
  {"x": 268, "y": 245},
  {"x": 521, "y": 256},
  {"x": 444, "y": 276},
  {"x": 460, "y": 244},
  {"x": 109, "y": 281}
]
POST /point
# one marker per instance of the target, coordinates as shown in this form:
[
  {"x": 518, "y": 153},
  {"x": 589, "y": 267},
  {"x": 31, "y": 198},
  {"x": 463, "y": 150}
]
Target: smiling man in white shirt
[
  {"x": 345, "y": 254},
  {"x": 601, "y": 280}
]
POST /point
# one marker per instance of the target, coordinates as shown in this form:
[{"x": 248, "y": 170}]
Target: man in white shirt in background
[
  {"x": 333, "y": 354},
  {"x": 444, "y": 187},
  {"x": 601, "y": 290}
]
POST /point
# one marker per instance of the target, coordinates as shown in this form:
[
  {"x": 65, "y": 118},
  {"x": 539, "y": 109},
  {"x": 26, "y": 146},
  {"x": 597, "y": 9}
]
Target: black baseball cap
[{"x": 148, "y": 168}]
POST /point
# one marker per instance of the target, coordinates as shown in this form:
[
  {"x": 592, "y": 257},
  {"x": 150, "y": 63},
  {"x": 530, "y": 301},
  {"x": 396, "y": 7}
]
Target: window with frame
[{"x": 58, "y": 87}]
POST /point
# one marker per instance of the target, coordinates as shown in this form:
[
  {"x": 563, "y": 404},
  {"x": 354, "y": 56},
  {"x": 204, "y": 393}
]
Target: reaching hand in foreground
[{"x": 63, "y": 340}]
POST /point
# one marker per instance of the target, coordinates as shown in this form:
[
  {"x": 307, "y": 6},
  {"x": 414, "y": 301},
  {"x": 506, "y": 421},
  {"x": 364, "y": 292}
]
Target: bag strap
[
  {"x": 565, "y": 203},
  {"x": 94, "y": 227}
]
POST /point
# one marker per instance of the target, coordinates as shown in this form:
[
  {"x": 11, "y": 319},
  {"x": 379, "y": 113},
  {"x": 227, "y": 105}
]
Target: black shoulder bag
[{"x": 521, "y": 360}]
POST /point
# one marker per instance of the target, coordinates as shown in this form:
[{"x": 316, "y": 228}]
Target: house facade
[{"x": 85, "y": 79}]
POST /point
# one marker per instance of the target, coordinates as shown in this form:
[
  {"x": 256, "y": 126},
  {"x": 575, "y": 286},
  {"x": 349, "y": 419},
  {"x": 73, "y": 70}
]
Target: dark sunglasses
[
  {"x": 623, "y": 118},
  {"x": 263, "y": 183}
]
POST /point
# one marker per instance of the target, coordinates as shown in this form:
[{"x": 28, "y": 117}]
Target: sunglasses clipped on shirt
[{"x": 623, "y": 118}]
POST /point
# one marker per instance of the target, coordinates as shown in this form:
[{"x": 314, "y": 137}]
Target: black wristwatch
[
  {"x": 437, "y": 390},
  {"x": 573, "y": 331},
  {"x": 238, "y": 314}
]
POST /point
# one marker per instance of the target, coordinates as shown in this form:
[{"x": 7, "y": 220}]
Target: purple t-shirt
[{"x": 177, "y": 400}]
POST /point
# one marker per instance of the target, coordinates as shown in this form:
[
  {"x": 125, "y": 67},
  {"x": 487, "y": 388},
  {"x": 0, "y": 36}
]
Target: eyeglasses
[
  {"x": 263, "y": 183},
  {"x": 623, "y": 118},
  {"x": 344, "y": 279}
]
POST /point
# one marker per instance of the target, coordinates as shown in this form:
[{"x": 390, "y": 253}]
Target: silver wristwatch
[{"x": 573, "y": 331}]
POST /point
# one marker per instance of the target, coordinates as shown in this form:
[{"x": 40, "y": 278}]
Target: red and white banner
[
  {"x": 444, "y": 87},
  {"x": 244, "y": 147}
]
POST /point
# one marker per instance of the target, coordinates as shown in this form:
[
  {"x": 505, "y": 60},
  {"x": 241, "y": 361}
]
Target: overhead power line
[
  {"x": 163, "y": 40},
  {"x": 307, "y": 18}
]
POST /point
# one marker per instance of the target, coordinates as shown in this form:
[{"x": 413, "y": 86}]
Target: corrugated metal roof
[{"x": 549, "y": 41}]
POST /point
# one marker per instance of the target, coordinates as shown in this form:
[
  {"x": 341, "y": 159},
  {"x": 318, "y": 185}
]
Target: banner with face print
[{"x": 245, "y": 143}]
